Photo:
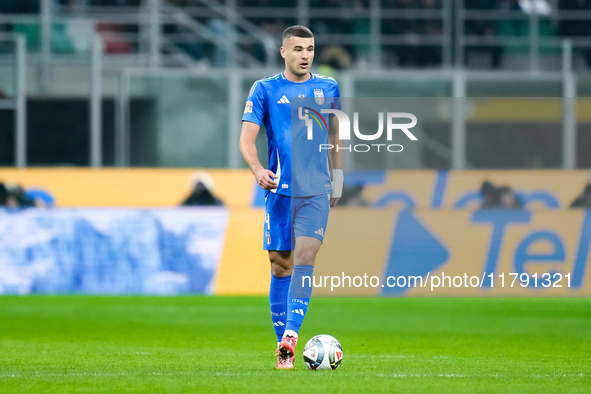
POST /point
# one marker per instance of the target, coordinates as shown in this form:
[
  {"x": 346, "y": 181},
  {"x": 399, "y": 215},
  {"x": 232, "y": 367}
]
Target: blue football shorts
[{"x": 284, "y": 221}]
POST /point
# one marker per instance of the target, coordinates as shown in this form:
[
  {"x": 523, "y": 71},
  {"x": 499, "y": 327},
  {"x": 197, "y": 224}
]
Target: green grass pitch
[{"x": 226, "y": 344}]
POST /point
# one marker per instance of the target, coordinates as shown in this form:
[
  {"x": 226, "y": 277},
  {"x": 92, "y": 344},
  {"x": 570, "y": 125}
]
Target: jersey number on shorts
[{"x": 268, "y": 222}]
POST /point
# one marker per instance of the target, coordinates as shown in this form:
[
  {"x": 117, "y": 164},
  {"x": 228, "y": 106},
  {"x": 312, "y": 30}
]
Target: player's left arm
[{"x": 336, "y": 159}]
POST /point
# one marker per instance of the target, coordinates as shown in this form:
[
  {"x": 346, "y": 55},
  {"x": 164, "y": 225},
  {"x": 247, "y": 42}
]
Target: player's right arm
[{"x": 248, "y": 136}]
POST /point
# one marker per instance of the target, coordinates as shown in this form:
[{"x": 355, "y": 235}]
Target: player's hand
[
  {"x": 266, "y": 179},
  {"x": 334, "y": 201}
]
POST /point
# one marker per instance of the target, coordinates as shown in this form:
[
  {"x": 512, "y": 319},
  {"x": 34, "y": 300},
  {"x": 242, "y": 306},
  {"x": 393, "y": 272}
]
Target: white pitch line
[
  {"x": 62, "y": 375},
  {"x": 496, "y": 375},
  {"x": 381, "y": 375}
]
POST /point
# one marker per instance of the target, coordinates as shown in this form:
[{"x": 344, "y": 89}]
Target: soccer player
[{"x": 295, "y": 215}]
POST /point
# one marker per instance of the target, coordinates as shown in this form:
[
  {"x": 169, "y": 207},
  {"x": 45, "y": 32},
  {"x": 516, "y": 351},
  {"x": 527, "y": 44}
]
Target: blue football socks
[
  {"x": 278, "y": 300},
  {"x": 299, "y": 296}
]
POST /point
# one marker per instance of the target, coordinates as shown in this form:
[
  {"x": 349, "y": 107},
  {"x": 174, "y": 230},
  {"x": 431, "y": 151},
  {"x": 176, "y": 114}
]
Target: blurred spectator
[
  {"x": 184, "y": 3},
  {"x": 406, "y": 28},
  {"x": 14, "y": 196},
  {"x": 19, "y": 6},
  {"x": 202, "y": 193},
  {"x": 74, "y": 6},
  {"x": 185, "y": 42},
  {"x": 334, "y": 58},
  {"x": 30, "y": 30},
  {"x": 125, "y": 3},
  {"x": 491, "y": 198},
  {"x": 360, "y": 26},
  {"x": 79, "y": 5},
  {"x": 21, "y": 197},
  {"x": 353, "y": 197},
  {"x": 6, "y": 200},
  {"x": 485, "y": 29},
  {"x": 508, "y": 199},
  {"x": 337, "y": 24},
  {"x": 430, "y": 55},
  {"x": 274, "y": 27},
  {"x": 540, "y": 7},
  {"x": 413, "y": 31},
  {"x": 267, "y": 3},
  {"x": 576, "y": 27},
  {"x": 501, "y": 197},
  {"x": 75, "y": 35},
  {"x": 584, "y": 200},
  {"x": 226, "y": 31},
  {"x": 112, "y": 36}
]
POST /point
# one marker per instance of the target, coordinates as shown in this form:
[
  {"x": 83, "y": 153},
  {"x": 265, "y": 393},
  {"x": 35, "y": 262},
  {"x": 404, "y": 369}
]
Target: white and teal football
[{"x": 323, "y": 352}]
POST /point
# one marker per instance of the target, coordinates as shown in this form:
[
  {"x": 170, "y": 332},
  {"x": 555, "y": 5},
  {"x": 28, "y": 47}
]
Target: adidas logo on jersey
[
  {"x": 283, "y": 100},
  {"x": 320, "y": 232}
]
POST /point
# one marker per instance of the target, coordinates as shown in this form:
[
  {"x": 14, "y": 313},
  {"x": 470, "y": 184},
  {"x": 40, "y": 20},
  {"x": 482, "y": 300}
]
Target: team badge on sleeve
[
  {"x": 248, "y": 107},
  {"x": 319, "y": 96}
]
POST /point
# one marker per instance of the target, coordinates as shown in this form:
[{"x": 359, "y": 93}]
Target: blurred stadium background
[
  {"x": 169, "y": 71},
  {"x": 113, "y": 112},
  {"x": 114, "y": 104}
]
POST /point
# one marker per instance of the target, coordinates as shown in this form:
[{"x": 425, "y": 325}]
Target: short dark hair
[{"x": 297, "y": 31}]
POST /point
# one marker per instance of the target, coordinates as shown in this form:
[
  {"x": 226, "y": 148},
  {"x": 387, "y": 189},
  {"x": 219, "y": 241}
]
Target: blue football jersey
[{"x": 269, "y": 103}]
